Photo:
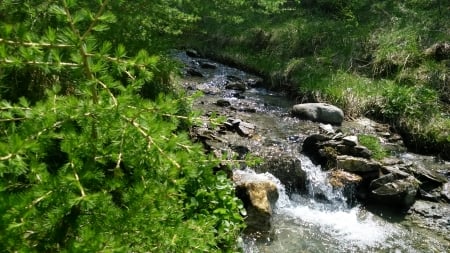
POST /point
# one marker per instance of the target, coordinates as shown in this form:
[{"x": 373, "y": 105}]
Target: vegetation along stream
[
  {"x": 105, "y": 147},
  {"x": 316, "y": 216}
]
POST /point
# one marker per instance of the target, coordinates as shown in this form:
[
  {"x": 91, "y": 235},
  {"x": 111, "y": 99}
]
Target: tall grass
[{"x": 366, "y": 57}]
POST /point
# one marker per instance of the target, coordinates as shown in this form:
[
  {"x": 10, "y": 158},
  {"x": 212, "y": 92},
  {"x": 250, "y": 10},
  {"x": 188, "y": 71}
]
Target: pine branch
[
  {"x": 36, "y": 201},
  {"x": 77, "y": 178},
  {"x": 95, "y": 21},
  {"x": 144, "y": 131},
  {"x": 67, "y": 64},
  {"x": 83, "y": 52},
  {"x": 4, "y": 158},
  {"x": 34, "y": 44},
  {"x": 11, "y": 120}
]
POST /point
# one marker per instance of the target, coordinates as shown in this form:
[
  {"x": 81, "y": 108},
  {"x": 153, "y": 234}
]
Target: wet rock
[
  {"x": 361, "y": 151},
  {"x": 207, "y": 65},
  {"x": 192, "y": 53},
  {"x": 288, "y": 169},
  {"x": 385, "y": 179},
  {"x": 254, "y": 82},
  {"x": 320, "y": 112},
  {"x": 326, "y": 129},
  {"x": 445, "y": 192},
  {"x": 236, "y": 85},
  {"x": 341, "y": 178},
  {"x": 394, "y": 192},
  {"x": 242, "y": 151},
  {"x": 395, "y": 170},
  {"x": 194, "y": 72},
  {"x": 223, "y": 103},
  {"x": 259, "y": 194},
  {"x": 313, "y": 148},
  {"x": 389, "y": 161},
  {"x": 245, "y": 129},
  {"x": 426, "y": 175},
  {"x": 357, "y": 164},
  {"x": 431, "y": 215},
  {"x": 234, "y": 78}
]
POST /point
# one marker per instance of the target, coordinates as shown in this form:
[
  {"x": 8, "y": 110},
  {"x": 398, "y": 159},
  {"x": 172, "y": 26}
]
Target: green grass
[
  {"x": 365, "y": 57},
  {"x": 373, "y": 144}
]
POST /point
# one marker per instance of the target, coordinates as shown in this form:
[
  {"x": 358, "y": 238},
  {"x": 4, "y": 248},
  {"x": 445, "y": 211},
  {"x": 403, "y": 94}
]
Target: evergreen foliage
[{"x": 93, "y": 165}]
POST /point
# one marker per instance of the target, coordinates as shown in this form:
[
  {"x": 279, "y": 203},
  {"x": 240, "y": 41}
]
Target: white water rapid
[{"x": 304, "y": 223}]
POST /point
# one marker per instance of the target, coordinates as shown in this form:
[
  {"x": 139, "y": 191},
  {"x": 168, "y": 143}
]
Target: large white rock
[{"x": 320, "y": 112}]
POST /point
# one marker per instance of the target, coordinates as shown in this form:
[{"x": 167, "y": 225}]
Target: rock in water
[
  {"x": 259, "y": 194},
  {"x": 400, "y": 193},
  {"x": 320, "y": 112}
]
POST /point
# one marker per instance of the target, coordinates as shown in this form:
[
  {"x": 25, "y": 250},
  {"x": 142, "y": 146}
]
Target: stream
[{"x": 320, "y": 218}]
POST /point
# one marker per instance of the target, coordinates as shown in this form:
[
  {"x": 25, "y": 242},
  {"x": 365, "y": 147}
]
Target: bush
[{"x": 102, "y": 168}]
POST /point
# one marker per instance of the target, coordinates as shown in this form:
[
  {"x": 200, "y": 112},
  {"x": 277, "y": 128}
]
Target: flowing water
[
  {"x": 304, "y": 224},
  {"x": 321, "y": 219}
]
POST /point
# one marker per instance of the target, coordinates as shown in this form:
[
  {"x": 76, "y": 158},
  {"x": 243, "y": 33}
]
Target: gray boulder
[{"x": 320, "y": 112}]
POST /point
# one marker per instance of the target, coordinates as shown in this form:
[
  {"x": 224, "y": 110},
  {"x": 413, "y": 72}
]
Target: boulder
[
  {"x": 320, "y": 112},
  {"x": 394, "y": 192},
  {"x": 259, "y": 193}
]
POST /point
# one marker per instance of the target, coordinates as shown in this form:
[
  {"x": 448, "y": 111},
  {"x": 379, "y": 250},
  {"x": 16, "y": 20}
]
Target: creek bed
[{"x": 303, "y": 222}]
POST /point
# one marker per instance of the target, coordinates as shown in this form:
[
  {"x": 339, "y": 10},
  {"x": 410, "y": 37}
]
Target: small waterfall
[{"x": 319, "y": 188}]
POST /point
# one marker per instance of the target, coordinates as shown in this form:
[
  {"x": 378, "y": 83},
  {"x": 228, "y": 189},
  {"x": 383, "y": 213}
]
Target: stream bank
[{"x": 306, "y": 212}]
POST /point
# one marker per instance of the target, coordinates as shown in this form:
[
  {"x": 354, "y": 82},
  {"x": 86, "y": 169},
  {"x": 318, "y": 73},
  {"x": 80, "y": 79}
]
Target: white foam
[{"x": 350, "y": 225}]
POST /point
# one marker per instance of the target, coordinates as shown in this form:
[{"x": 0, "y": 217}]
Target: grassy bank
[{"x": 370, "y": 59}]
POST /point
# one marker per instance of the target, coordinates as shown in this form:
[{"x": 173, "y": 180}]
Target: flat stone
[
  {"x": 350, "y": 140},
  {"x": 341, "y": 178},
  {"x": 326, "y": 129},
  {"x": 357, "y": 164}
]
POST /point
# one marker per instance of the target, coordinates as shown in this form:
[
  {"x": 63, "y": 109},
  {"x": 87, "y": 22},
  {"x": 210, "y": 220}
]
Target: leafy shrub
[{"x": 102, "y": 168}]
